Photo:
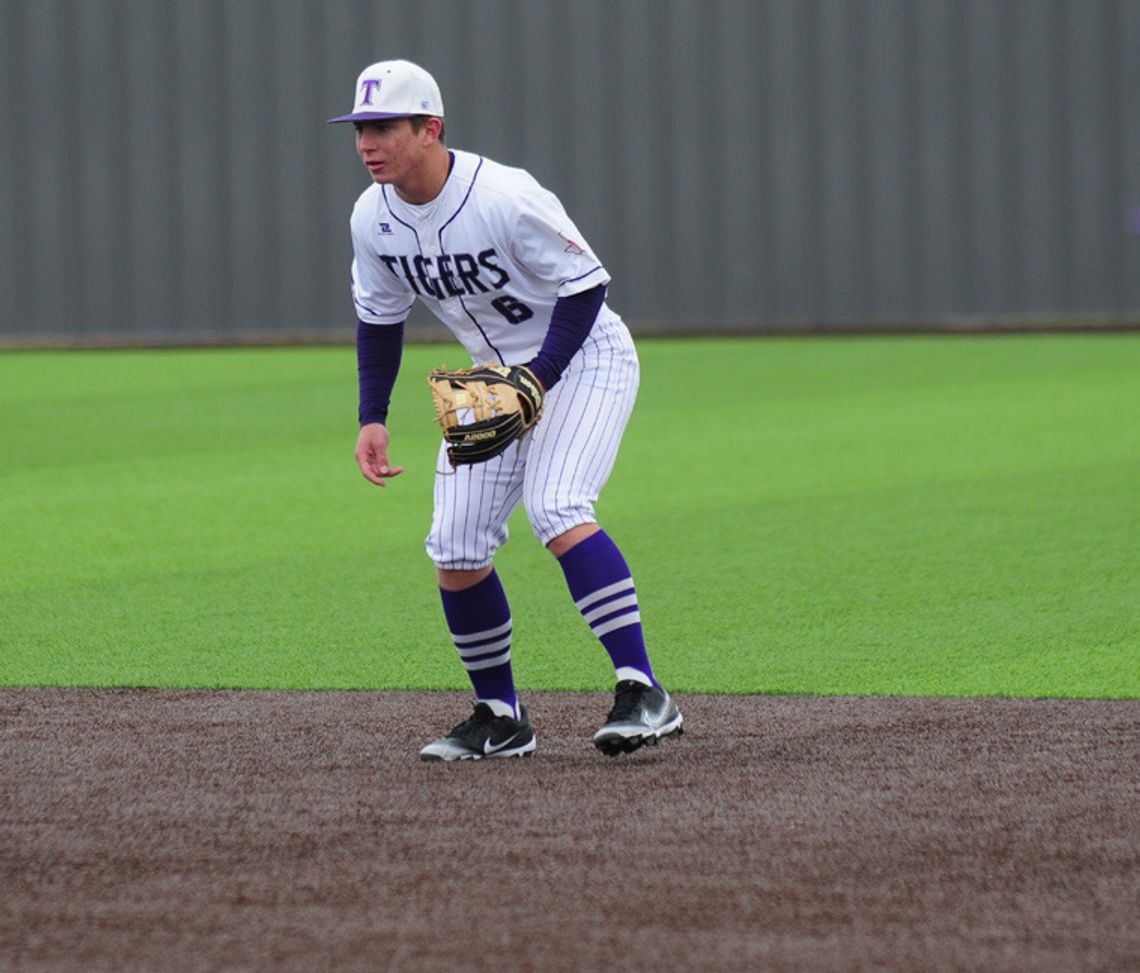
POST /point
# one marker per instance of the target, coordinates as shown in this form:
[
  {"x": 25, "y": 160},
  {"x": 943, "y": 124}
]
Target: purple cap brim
[{"x": 369, "y": 116}]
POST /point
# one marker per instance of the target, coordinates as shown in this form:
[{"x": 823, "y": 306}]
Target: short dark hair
[{"x": 419, "y": 121}]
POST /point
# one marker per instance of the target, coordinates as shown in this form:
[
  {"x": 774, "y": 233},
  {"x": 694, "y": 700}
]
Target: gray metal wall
[{"x": 166, "y": 173}]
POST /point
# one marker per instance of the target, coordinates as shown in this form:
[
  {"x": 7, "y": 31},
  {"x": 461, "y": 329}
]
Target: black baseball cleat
[
  {"x": 483, "y": 734},
  {"x": 642, "y": 716}
]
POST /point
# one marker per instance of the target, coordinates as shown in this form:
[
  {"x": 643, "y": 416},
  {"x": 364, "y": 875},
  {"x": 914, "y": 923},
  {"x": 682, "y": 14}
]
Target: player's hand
[{"x": 372, "y": 454}]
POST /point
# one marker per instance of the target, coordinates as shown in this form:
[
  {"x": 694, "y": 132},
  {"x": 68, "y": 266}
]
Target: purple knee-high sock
[
  {"x": 603, "y": 591},
  {"x": 479, "y": 618}
]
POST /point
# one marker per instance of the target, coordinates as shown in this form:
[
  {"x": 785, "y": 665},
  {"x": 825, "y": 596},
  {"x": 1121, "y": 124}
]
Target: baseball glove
[{"x": 483, "y": 410}]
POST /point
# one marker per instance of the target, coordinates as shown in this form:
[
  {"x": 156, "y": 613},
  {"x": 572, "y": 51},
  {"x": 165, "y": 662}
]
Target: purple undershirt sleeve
[
  {"x": 379, "y": 348},
  {"x": 570, "y": 323}
]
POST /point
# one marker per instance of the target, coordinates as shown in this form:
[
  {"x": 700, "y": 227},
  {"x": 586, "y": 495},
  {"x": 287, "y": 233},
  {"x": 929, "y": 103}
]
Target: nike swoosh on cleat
[{"x": 490, "y": 748}]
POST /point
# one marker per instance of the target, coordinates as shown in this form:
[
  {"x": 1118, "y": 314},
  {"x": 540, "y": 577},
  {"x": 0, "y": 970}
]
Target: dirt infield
[{"x": 159, "y": 830}]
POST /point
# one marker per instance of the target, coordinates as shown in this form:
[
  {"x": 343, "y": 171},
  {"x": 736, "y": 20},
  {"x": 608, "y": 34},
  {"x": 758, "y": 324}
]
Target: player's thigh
[
  {"x": 472, "y": 504},
  {"x": 575, "y": 444}
]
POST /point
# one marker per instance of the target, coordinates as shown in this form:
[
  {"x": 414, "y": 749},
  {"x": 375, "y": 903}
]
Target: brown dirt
[{"x": 162, "y": 830}]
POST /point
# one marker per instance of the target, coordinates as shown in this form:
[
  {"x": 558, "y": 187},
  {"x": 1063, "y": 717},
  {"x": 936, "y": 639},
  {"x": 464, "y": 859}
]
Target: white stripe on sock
[
  {"x": 610, "y": 607},
  {"x": 473, "y": 650},
  {"x": 478, "y": 636},
  {"x": 620, "y": 622},
  {"x": 611, "y": 589},
  {"x": 497, "y": 660}
]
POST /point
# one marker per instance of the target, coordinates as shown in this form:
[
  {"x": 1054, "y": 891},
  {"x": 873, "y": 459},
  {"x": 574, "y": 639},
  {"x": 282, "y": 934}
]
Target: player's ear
[{"x": 434, "y": 128}]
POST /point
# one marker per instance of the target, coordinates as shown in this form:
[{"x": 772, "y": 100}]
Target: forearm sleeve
[
  {"x": 379, "y": 349},
  {"x": 570, "y": 323}
]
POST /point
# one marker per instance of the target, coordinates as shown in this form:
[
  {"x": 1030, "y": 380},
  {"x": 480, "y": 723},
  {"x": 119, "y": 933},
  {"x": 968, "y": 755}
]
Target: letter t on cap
[{"x": 370, "y": 85}]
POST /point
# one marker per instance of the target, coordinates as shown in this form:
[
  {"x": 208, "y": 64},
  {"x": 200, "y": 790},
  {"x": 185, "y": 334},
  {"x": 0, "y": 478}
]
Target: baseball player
[{"x": 495, "y": 257}]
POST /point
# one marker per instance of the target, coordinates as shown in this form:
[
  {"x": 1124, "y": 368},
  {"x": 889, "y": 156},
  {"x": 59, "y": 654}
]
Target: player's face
[{"x": 390, "y": 149}]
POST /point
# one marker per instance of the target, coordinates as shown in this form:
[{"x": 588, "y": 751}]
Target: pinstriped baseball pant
[{"x": 557, "y": 471}]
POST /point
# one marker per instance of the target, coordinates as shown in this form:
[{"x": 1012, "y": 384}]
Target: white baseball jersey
[{"x": 489, "y": 256}]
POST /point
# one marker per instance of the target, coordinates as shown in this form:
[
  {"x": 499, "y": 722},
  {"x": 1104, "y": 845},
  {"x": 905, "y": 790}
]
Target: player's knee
[
  {"x": 551, "y": 521},
  {"x": 459, "y": 580},
  {"x": 571, "y": 538}
]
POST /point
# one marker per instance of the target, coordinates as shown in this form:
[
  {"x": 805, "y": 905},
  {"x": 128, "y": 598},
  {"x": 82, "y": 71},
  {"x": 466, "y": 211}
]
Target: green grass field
[{"x": 911, "y": 515}]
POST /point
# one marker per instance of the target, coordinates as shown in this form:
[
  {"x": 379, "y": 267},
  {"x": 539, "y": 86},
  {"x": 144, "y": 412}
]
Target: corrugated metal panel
[{"x": 166, "y": 174}]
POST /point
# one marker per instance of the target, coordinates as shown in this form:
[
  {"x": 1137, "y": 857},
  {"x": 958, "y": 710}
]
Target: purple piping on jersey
[
  {"x": 363, "y": 306},
  {"x": 391, "y": 213},
  {"x": 592, "y": 270},
  {"x": 401, "y": 314},
  {"x": 486, "y": 340},
  {"x": 474, "y": 320},
  {"x": 467, "y": 196}
]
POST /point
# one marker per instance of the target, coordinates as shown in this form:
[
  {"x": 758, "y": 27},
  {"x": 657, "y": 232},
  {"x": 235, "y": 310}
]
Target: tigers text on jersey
[{"x": 489, "y": 256}]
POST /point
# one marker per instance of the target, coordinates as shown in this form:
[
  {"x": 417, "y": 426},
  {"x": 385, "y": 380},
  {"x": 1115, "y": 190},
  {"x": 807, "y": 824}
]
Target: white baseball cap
[{"x": 393, "y": 89}]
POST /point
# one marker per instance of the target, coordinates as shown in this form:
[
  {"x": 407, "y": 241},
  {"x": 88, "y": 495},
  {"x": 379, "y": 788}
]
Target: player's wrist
[{"x": 543, "y": 372}]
